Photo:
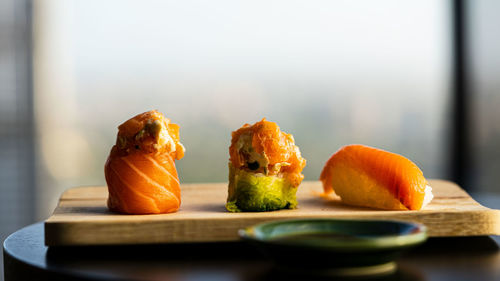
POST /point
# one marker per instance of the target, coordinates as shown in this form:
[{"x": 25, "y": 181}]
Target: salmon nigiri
[
  {"x": 265, "y": 169},
  {"x": 140, "y": 170},
  {"x": 371, "y": 177}
]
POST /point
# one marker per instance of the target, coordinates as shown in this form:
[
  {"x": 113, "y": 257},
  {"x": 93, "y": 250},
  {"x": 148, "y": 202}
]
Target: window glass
[{"x": 484, "y": 44}]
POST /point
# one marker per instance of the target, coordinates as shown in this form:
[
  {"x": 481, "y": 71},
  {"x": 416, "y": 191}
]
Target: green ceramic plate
[{"x": 336, "y": 246}]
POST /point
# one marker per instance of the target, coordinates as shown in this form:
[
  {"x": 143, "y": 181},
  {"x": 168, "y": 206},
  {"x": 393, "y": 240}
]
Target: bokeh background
[{"x": 331, "y": 73}]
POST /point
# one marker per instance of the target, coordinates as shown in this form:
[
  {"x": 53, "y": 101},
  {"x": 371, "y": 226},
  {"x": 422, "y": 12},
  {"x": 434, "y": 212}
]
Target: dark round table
[{"x": 27, "y": 258}]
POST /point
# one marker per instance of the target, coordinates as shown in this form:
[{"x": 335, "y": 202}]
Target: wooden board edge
[
  {"x": 65, "y": 194},
  {"x": 486, "y": 222}
]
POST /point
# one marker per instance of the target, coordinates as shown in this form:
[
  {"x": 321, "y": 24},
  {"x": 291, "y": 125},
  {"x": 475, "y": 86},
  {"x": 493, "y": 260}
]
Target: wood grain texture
[{"x": 82, "y": 218}]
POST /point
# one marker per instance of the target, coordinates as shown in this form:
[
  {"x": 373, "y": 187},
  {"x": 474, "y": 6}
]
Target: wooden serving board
[{"x": 82, "y": 218}]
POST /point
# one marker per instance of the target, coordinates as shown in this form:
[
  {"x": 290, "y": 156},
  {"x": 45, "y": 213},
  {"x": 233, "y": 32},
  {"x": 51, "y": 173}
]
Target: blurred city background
[{"x": 329, "y": 72}]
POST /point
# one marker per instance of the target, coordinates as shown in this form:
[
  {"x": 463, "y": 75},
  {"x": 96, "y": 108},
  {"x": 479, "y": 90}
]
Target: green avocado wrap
[{"x": 258, "y": 192}]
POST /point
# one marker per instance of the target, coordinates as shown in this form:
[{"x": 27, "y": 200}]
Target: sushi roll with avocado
[{"x": 265, "y": 169}]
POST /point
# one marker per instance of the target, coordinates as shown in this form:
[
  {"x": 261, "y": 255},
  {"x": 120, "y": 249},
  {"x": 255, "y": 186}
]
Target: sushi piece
[
  {"x": 140, "y": 170},
  {"x": 371, "y": 177},
  {"x": 265, "y": 169}
]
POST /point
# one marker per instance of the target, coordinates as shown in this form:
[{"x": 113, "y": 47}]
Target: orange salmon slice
[{"x": 371, "y": 177}]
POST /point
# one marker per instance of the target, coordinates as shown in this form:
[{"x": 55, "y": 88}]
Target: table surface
[{"x": 27, "y": 258}]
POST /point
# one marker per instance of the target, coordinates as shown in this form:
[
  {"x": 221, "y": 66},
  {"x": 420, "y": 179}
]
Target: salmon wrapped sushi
[
  {"x": 265, "y": 169},
  {"x": 140, "y": 170},
  {"x": 371, "y": 177}
]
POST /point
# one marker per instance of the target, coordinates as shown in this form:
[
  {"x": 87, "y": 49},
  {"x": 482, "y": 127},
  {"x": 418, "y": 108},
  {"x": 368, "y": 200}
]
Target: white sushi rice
[{"x": 428, "y": 196}]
